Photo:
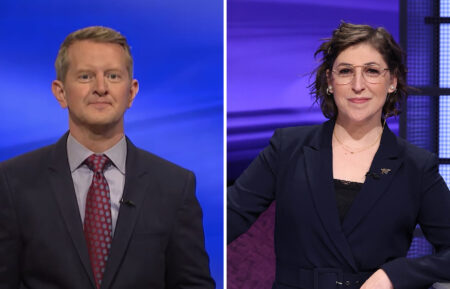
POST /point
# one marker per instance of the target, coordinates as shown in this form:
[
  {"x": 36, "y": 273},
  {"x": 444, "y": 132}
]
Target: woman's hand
[{"x": 378, "y": 280}]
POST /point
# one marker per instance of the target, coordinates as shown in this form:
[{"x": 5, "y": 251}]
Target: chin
[
  {"x": 102, "y": 128},
  {"x": 363, "y": 120},
  {"x": 103, "y": 121},
  {"x": 362, "y": 116}
]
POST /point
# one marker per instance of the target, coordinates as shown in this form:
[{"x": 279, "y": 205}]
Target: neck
[
  {"x": 358, "y": 131},
  {"x": 355, "y": 137},
  {"x": 96, "y": 139}
]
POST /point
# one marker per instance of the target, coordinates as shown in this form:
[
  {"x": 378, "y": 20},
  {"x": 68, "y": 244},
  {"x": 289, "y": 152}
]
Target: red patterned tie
[{"x": 97, "y": 220}]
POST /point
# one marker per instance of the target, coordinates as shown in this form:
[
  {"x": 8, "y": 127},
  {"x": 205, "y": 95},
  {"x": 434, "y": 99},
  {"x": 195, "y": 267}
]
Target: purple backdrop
[{"x": 270, "y": 55}]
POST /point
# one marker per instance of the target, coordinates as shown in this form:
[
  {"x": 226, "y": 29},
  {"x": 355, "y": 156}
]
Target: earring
[
  {"x": 329, "y": 90},
  {"x": 393, "y": 88}
]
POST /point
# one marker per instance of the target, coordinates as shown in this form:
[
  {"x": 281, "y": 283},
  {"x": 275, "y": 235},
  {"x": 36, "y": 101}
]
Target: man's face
[{"x": 97, "y": 89}]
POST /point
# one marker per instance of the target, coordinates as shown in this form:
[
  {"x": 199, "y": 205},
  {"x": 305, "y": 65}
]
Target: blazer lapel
[
  {"x": 63, "y": 189},
  {"x": 382, "y": 171},
  {"x": 319, "y": 170},
  {"x": 136, "y": 184}
]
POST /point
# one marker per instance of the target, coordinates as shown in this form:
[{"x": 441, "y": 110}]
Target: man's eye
[
  {"x": 84, "y": 77},
  {"x": 113, "y": 76}
]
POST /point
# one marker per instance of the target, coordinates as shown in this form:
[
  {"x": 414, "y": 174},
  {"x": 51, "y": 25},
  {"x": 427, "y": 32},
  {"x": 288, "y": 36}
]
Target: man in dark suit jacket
[{"x": 53, "y": 200}]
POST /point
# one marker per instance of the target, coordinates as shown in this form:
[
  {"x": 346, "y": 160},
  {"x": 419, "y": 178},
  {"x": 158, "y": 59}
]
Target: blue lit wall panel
[
  {"x": 419, "y": 247},
  {"x": 444, "y": 56},
  {"x": 421, "y": 109},
  {"x": 178, "y": 51},
  {"x": 418, "y": 115},
  {"x": 444, "y": 126},
  {"x": 419, "y": 43},
  {"x": 444, "y": 82},
  {"x": 444, "y": 9},
  {"x": 444, "y": 170}
]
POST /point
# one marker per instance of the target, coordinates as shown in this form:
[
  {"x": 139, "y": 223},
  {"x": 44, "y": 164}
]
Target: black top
[{"x": 346, "y": 192}]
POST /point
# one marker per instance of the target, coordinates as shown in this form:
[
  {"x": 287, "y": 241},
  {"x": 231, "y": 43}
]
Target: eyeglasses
[{"x": 372, "y": 73}]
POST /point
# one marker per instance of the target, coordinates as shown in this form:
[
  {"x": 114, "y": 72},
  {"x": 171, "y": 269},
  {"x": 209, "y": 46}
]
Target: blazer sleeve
[
  {"x": 9, "y": 237},
  {"x": 254, "y": 190},
  {"x": 434, "y": 219},
  {"x": 187, "y": 260}
]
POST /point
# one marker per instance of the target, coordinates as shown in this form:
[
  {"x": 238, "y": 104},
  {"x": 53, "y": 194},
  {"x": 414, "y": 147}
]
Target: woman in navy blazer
[{"x": 349, "y": 193}]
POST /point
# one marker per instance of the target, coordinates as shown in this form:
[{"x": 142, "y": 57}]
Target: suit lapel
[
  {"x": 319, "y": 171},
  {"x": 63, "y": 189},
  {"x": 382, "y": 171},
  {"x": 136, "y": 184}
]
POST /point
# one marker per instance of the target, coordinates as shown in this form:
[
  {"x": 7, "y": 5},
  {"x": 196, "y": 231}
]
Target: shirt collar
[{"x": 77, "y": 153}]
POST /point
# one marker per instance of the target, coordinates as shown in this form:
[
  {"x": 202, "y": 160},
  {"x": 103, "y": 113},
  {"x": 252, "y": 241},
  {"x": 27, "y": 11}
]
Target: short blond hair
[{"x": 93, "y": 33}]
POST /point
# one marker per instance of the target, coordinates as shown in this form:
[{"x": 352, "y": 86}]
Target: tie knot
[{"x": 97, "y": 163}]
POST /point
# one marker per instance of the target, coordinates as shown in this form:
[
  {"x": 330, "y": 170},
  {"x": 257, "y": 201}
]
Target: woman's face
[{"x": 361, "y": 99}]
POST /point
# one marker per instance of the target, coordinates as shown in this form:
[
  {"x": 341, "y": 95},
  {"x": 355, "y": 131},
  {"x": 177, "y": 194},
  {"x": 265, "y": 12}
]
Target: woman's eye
[
  {"x": 345, "y": 71},
  {"x": 373, "y": 71}
]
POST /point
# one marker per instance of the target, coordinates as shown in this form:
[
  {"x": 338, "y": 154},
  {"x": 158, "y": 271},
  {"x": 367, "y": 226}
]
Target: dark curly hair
[{"x": 347, "y": 35}]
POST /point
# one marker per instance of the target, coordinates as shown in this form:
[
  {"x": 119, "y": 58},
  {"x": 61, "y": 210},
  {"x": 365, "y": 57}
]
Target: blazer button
[{"x": 347, "y": 283}]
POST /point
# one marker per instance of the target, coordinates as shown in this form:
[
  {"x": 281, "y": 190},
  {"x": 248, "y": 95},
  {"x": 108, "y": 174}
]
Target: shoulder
[
  {"x": 296, "y": 132},
  {"x": 30, "y": 161},
  {"x": 35, "y": 162},
  {"x": 163, "y": 170},
  {"x": 299, "y": 133},
  {"x": 288, "y": 144},
  {"x": 173, "y": 182},
  {"x": 291, "y": 138},
  {"x": 154, "y": 160},
  {"x": 26, "y": 169},
  {"x": 417, "y": 164},
  {"x": 415, "y": 155}
]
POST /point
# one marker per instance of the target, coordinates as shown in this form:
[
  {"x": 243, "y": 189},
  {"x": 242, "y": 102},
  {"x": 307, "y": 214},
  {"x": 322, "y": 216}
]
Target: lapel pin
[{"x": 385, "y": 171}]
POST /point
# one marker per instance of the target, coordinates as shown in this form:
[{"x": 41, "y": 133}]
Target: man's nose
[{"x": 101, "y": 86}]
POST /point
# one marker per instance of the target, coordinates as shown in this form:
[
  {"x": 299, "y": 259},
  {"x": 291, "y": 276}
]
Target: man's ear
[
  {"x": 134, "y": 88},
  {"x": 59, "y": 93}
]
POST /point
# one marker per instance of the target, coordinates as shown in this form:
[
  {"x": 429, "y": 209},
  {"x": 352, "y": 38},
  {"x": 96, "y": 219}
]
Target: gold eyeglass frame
[{"x": 362, "y": 73}]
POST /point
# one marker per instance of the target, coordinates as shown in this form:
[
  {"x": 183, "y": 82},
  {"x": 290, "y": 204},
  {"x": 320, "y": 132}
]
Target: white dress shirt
[{"x": 82, "y": 175}]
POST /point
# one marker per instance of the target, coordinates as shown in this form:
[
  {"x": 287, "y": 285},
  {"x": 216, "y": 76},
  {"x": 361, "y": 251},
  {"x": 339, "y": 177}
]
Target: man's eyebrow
[
  {"x": 115, "y": 69},
  {"x": 83, "y": 70}
]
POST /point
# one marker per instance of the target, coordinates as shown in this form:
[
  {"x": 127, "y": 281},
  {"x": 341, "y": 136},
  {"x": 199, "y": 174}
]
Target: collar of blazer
[
  {"x": 319, "y": 171},
  {"x": 135, "y": 187},
  {"x": 389, "y": 145}
]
